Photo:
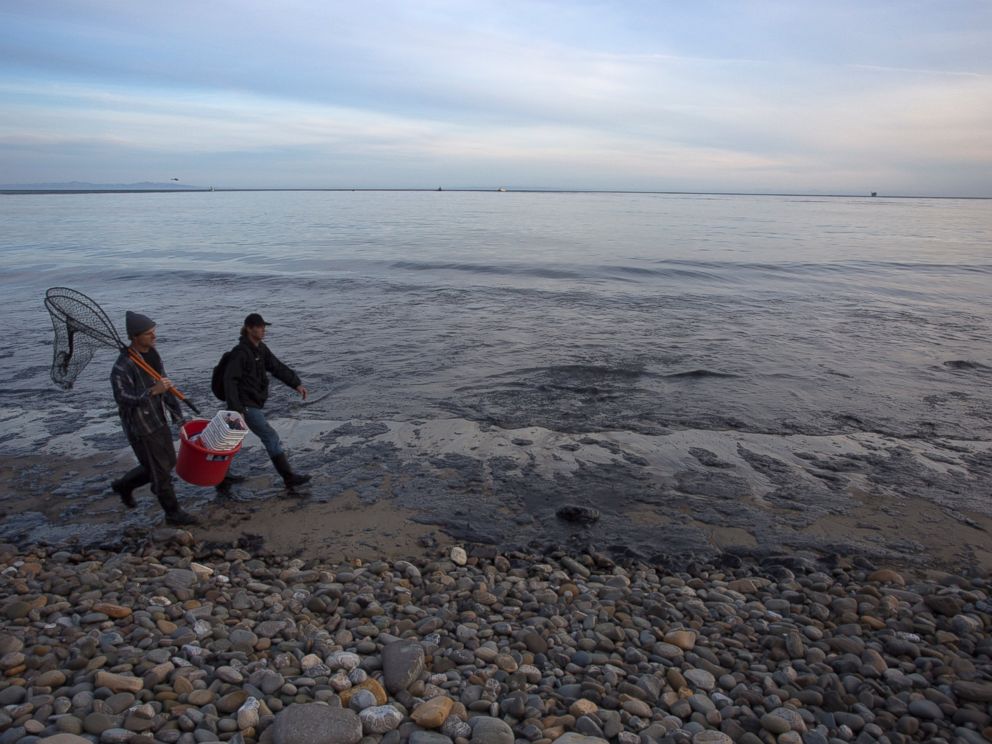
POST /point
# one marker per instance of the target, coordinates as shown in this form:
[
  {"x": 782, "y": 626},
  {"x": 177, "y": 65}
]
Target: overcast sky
[{"x": 825, "y": 96}]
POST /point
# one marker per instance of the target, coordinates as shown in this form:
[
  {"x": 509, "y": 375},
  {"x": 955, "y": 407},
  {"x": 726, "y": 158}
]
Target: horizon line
[{"x": 212, "y": 189}]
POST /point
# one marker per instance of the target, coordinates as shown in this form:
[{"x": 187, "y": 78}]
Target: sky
[{"x": 797, "y": 96}]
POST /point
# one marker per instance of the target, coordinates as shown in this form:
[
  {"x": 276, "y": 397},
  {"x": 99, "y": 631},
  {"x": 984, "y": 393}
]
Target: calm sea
[{"x": 576, "y": 312}]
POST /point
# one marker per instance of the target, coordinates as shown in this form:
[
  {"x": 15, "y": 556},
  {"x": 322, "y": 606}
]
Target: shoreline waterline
[{"x": 671, "y": 497}]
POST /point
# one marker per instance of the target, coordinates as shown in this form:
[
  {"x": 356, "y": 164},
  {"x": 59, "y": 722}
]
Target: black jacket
[
  {"x": 246, "y": 377},
  {"x": 141, "y": 412}
]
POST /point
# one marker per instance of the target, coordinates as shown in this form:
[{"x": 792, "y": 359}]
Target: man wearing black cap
[
  {"x": 141, "y": 403},
  {"x": 246, "y": 387}
]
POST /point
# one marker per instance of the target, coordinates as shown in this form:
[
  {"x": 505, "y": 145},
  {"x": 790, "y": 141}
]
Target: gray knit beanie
[{"x": 136, "y": 324}]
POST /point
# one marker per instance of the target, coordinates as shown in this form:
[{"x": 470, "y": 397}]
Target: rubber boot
[
  {"x": 174, "y": 515},
  {"x": 125, "y": 485},
  {"x": 229, "y": 480},
  {"x": 290, "y": 478},
  {"x": 180, "y": 518}
]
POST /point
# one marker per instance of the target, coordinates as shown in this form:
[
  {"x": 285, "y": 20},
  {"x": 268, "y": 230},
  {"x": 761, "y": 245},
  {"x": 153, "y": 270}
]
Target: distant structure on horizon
[{"x": 86, "y": 186}]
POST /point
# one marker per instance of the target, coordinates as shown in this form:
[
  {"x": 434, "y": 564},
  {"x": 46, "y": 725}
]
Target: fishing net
[{"x": 81, "y": 327}]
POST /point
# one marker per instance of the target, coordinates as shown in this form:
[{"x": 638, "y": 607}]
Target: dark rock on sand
[{"x": 578, "y": 514}]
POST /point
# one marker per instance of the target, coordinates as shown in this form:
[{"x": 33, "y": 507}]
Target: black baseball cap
[{"x": 254, "y": 320}]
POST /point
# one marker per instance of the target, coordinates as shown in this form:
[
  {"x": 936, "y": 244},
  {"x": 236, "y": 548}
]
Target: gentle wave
[
  {"x": 717, "y": 271},
  {"x": 699, "y": 374},
  {"x": 844, "y": 267},
  {"x": 539, "y": 271},
  {"x": 291, "y": 271},
  {"x": 968, "y": 366}
]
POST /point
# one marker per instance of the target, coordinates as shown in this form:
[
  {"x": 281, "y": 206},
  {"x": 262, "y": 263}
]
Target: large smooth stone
[
  {"x": 315, "y": 723},
  {"x": 402, "y": 664}
]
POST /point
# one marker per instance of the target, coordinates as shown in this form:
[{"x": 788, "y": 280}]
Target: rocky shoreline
[{"x": 176, "y": 641}]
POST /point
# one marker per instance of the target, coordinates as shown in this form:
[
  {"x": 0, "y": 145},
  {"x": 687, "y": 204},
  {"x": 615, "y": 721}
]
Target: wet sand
[{"x": 394, "y": 489}]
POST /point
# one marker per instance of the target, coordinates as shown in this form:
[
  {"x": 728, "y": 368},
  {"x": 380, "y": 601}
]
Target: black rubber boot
[
  {"x": 125, "y": 485},
  {"x": 290, "y": 478},
  {"x": 229, "y": 480},
  {"x": 174, "y": 515},
  {"x": 180, "y": 518}
]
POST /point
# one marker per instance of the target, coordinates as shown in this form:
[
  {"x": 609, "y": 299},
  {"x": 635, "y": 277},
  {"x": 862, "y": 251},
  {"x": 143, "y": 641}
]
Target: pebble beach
[{"x": 168, "y": 639}]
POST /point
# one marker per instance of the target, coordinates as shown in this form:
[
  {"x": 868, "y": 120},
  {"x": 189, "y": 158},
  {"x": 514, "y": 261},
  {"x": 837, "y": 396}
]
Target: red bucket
[{"x": 198, "y": 465}]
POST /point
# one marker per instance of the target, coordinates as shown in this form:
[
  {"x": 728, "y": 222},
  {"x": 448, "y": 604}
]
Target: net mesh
[{"x": 81, "y": 327}]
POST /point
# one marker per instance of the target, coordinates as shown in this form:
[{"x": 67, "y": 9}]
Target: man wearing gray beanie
[{"x": 141, "y": 403}]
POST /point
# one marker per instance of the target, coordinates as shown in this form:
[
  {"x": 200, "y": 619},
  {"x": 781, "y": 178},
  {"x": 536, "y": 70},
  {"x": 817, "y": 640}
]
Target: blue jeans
[{"x": 255, "y": 418}]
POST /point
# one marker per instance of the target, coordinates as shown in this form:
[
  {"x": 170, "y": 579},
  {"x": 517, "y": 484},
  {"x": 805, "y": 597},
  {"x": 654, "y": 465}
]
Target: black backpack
[{"x": 217, "y": 378}]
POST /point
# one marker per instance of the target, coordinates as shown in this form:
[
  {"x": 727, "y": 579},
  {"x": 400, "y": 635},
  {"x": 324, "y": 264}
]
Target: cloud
[
  {"x": 919, "y": 71},
  {"x": 572, "y": 94}
]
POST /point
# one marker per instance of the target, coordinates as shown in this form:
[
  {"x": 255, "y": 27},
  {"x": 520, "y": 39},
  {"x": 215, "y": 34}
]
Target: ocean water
[
  {"x": 701, "y": 372},
  {"x": 570, "y": 311}
]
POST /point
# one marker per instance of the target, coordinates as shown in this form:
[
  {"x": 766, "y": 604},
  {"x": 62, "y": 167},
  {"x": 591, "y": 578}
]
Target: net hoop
[{"x": 64, "y": 304}]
